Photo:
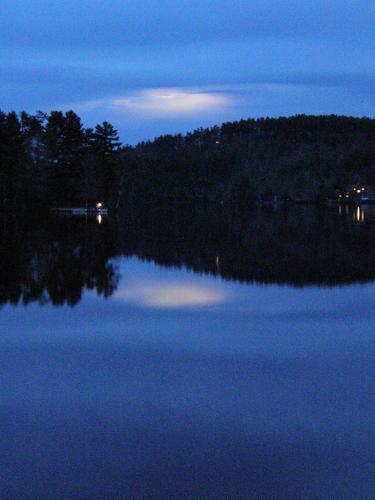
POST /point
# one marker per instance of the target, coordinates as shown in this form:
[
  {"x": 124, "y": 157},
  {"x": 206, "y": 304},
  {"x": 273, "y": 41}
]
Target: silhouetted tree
[{"x": 106, "y": 144}]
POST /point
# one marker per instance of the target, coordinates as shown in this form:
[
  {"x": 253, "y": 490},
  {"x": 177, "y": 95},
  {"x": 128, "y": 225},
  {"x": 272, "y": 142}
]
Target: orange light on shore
[{"x": 99, "y": 204}]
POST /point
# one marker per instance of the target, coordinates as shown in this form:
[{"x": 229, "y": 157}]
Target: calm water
[{"x": 130, "y": 368}]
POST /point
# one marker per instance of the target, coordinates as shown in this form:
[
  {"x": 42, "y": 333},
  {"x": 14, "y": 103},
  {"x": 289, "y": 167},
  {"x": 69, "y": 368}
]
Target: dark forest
[{"x": 51, "y": 160}]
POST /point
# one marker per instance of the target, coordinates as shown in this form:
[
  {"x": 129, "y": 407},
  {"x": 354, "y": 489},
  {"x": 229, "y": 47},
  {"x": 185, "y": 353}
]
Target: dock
[{"x": 80, "y": 211}]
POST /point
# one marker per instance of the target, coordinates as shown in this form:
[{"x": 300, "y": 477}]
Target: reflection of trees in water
[
  {"x": 298, "y": 245},
  {"x": 56, "y": 261}
]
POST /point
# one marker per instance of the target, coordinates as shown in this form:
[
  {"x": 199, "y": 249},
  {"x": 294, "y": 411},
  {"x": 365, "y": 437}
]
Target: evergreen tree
[
  {"x": 34, "y": 172},
  {"x": 106, "y": 144},
  {"x": 65, "y": 149},
  {"x": 54, "y": 137},
  {"x": 11, "y": 159},
  {"x": 106, "y": 140},
  {"x": 32, "y": 129},
  {"x": 72, "y": 165}
]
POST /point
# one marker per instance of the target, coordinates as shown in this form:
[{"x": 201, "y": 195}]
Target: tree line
[
  {"x": 51, "y": 159},
  {"x": 255, "y": 161}
]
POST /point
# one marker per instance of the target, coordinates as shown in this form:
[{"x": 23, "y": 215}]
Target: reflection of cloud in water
[{"x": 171, "y": 295}]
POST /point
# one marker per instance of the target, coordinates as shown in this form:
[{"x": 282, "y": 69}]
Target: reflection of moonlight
[{"x": 171, "y": 295}]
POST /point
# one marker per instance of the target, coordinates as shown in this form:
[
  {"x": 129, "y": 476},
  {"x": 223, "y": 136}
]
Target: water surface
[{"x": 230, "y": 358}]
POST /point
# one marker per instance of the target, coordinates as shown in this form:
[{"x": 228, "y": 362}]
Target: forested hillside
[
  {"x": 303, "y": 158},
  {"x": 52, "y": 160}
]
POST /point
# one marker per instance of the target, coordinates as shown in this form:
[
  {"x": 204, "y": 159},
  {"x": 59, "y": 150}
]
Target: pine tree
[
  {"x": 65, "y": 150},
  {"x": 106, "y": 144},
  {"x": 11, "y": 156},
  {"x": 72, "y": 165},
  {"x": 106, "y": 140},
  {"x": 54, "y": 137},
  {"x": 32, "y": 129}
]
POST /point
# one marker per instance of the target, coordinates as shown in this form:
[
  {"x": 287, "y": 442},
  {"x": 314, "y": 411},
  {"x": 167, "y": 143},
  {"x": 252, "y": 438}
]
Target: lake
[{"x": 207, "y": 355}]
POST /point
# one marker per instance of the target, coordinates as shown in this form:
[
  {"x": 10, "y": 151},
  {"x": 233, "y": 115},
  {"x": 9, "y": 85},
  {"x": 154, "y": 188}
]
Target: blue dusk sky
[{"x": 163, "y": 66}]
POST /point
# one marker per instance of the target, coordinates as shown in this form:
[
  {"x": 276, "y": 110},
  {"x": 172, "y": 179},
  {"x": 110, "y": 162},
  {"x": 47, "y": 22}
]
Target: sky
[{"x": 152, "y": 67}]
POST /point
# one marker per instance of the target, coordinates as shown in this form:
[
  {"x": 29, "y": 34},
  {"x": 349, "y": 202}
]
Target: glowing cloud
[
  {"x": 171, "y": 295},
  {"x": 173, "y": 101},
  {"x": 164, "y": 102}
]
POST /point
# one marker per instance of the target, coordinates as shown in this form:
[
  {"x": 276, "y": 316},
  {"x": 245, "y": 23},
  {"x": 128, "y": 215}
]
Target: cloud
[
  {"x": 161, "y": 295},
  {"x": 120, "y": 23},
  {"x": 223, "y": 98},
  {"x": 173, "y": 101},
  {"x": 164, "y": 102}
]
